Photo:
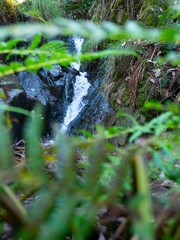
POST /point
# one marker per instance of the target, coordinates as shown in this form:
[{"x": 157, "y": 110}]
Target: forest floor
[{"x": 113, "y": 220}]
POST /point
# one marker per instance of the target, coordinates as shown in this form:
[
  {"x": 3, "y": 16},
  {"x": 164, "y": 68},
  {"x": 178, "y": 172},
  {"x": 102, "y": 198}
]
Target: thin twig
[
  {"x": 170, "y": 95},
  {"x": 153, "y": 53},
  {"x": 120, "y": 229}
]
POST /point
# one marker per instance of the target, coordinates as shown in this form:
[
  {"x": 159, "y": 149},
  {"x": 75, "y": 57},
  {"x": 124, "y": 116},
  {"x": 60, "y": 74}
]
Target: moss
[
  {"x": 150, "y": 12},
  {"x": 35, "y": 15},
  {"x": 8, "y": 13},
  {"x": 149, "y": 16}
]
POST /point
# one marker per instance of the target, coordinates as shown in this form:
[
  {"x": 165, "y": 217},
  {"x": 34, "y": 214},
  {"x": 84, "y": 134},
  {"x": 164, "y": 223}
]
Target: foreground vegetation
[{"x": 85, "y": 187}]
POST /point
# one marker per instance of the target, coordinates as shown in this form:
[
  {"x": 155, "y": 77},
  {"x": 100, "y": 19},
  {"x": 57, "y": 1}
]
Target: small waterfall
[
  {"x": 78, "y": 45},
  {"x": 81, "y": 87}
]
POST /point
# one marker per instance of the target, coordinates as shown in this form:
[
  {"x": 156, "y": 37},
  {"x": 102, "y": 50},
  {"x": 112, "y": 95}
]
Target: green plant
[
  {"x": 43, "y": 8},
  {"x": 111, "y": 176},
  {"x": 54, "y": 215},
  {"x": 53, "y": 52},
  {"x": 77, "y": 9},
  {"x": 57, "y": 54}
]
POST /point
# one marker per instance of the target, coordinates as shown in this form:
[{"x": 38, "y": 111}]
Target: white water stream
[{"x": 81, "y": 87}]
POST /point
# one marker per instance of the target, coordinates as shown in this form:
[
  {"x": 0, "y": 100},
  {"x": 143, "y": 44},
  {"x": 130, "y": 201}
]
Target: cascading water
[{"x": 81, "y": 87}]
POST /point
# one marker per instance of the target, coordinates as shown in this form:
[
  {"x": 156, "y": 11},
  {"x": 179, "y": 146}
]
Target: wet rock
[
  {"x": 53, "y": 88},
  {"x": 34, "y": 86},
  {"x": 56, "y": 72},
  {"x": 71, "y": 70}
]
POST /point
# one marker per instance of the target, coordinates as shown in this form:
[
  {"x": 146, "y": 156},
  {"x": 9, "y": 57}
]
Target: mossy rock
[
  {"x": 10, "y": 14},
  {"x": 35, "y": 17}
]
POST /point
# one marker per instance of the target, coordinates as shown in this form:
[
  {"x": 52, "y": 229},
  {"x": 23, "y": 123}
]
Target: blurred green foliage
[
  {"x": 66, "y": 202},
  {"x": 43, "y": 8},
  {"x": 77, "y": 9}
]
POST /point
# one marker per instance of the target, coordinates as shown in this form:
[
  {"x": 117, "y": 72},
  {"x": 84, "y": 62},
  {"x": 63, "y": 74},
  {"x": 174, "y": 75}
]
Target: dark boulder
[{"x": 18, "y": 98}]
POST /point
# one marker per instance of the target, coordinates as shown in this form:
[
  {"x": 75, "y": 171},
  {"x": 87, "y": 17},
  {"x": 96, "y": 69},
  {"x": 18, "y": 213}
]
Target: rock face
[{"x": 53, "y": 88}]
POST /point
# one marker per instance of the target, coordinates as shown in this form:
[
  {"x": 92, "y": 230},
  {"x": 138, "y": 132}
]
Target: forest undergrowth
[{"x": 86, "y": 187}]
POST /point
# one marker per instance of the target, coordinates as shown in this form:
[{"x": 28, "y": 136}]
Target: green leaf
[
  {"x": 5, "y": 153},
  {"x": 150, "y": 104},
  {"x": 15, "y": 109},
  {"x": 35, "y": 42},
  {"x": 4, "y": 68},
  {"x": 15, "y": 65},
  {"x": 53, "y": 46},
  {"x": 32, "y": 61},
  {"x": 112, "y": 130},
  {"x": 43, "y": 58},
  {"x": 32, "y": 134},
  {"x": 12, "y": 43},
  {"x": 135, "y": 135},
  {"x": 86, "y": 133},
  {"x": 3, "y": 45}
]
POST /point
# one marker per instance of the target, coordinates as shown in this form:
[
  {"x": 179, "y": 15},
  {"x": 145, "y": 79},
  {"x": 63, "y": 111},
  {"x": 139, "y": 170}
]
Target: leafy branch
[
  {"x": 54, "y": 52},
  {"x": 156, "y": 127},
  {"x": 92, "y": 31},
  {"x": 15, "y": 109}
]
